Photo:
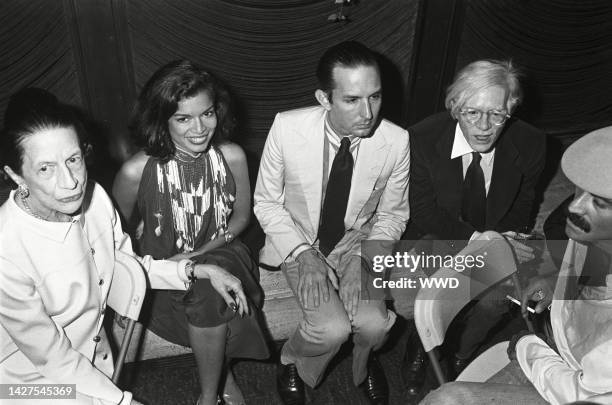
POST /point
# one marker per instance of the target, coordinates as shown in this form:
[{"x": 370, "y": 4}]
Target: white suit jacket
[{"x": 288, "y": 194}]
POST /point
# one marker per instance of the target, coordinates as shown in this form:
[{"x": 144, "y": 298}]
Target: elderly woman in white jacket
[{"x": 58, "y": 239}]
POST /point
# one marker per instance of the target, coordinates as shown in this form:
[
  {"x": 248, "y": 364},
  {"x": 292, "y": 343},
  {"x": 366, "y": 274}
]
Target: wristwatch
[{"x": 190, "y": 271}]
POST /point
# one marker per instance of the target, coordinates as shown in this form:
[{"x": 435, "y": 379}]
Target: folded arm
[
  {"x": 553, "y": 377},
  {"x": 161, "y": 274}
]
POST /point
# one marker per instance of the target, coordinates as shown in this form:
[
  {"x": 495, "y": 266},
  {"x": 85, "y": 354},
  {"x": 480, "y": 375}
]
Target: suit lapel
[
  {"x": 310, "y": 161},
  {"x": 371, "y": 157},
  {"x": 505, "y": 181},
  {"x": 449, "y": 175}
]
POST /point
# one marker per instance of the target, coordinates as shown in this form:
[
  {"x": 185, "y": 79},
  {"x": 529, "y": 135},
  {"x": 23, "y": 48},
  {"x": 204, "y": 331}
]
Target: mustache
[{"x": 579, "y": 221}]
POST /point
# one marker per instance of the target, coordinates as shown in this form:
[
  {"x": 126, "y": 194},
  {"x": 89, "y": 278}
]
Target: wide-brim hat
[{"x": 588, "y": 162}]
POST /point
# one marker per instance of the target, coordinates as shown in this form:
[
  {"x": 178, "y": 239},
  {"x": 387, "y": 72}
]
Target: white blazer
[
  {"x": 54, "y": 282},
  {"x": 288, "y": 193}
]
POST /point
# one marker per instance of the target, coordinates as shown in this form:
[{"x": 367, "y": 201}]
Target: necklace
[
  {"x": 29, "y": 210},
  {"x": 186, "y": 156}
]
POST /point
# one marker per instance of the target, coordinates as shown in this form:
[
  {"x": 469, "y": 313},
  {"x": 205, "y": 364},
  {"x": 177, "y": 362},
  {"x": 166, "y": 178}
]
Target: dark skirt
[{"x": 171, "y": 311}]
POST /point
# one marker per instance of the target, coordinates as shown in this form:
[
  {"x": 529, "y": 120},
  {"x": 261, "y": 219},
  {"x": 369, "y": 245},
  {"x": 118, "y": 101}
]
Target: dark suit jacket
[{"x": 436, "y": 180}]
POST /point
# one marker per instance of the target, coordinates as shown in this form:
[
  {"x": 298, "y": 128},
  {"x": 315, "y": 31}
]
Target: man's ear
[
  {"x": 14, "y": 176},
  {"x": 323, "y": 99}
]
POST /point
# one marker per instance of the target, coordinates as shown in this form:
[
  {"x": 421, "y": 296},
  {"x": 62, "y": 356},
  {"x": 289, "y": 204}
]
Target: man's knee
[
  {"x": 330, "y": 331},
  {"x": 373, "y": 321},
  {"x": 336, "y": 331}
]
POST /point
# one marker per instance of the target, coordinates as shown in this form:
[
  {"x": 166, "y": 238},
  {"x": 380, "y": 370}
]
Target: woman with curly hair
[{"x": 187, "y": 193}]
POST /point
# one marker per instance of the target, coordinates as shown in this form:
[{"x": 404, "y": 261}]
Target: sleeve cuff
[
  {"x": 180, "y": 270},
  {"x": 302, "y": 247},
  {"x": 528, "y": 349}
]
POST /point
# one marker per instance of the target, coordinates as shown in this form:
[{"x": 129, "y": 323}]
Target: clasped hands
[{"x": 314, "y": 273}]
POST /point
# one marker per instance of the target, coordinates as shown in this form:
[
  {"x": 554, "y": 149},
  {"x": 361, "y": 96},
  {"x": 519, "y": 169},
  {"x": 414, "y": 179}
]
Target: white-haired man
[
  {"x": 575, "y": 363},
  {"x": 474, "y": 168}
]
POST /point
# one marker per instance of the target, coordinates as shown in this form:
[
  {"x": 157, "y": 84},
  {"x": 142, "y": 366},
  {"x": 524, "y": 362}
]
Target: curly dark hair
[
  {"x": 159, "y": 99},
  {"x": 31, "y": 110}
]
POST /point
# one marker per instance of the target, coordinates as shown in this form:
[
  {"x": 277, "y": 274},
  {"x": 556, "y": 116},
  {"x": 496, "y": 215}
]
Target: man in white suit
[{"x": 330, "y": 177}]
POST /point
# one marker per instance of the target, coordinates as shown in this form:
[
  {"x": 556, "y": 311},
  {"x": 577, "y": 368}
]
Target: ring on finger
[{"x": 539, "y": 294}]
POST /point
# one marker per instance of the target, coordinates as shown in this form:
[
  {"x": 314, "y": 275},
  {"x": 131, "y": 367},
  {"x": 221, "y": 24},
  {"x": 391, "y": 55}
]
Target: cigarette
[{"x": 517, "y": 302}]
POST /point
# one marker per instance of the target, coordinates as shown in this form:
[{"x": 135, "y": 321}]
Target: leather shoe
[
  {"x": 414, "y": 366},
  {"x": 375, "y": 385},
  {"x": 289, "y": 385}
]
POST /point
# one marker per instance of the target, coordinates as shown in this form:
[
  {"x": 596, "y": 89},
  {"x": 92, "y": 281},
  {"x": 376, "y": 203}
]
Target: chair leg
[
  {"x": 127, "y": 336},
  {"x": 435, "y": 363}
]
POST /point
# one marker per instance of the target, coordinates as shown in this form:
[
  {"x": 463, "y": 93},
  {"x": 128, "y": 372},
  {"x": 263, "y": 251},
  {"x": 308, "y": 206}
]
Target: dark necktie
[
  {"x": 474, "y": 201},
  {"x": 331, "y": 228}
]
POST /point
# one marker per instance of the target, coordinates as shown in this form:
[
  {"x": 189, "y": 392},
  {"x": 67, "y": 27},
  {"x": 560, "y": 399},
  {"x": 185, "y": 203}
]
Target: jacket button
[
  {"x": 93, "y": 251},
  {"x": 97, "y": 338},
  {"x": 101, "y": 281},
  {"x": 105, "y": 356}
]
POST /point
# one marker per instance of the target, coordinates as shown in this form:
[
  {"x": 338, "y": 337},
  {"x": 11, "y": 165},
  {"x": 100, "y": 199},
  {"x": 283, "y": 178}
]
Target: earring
[{"x": 23, "y": 191}]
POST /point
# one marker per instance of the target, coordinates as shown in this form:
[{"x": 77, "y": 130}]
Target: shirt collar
[
  {"x": 335, "y": 138},
  {"x": 462, "y": 147},
  {"x": 56, "y": 231}
]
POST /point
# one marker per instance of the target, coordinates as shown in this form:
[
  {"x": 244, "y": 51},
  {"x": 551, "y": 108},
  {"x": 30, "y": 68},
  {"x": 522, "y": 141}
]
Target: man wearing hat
[{"x": 575, "y": 363}]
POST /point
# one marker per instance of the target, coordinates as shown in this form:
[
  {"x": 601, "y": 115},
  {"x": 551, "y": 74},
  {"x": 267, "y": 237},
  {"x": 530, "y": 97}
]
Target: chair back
[
  {"x": 437, "y": 305},
  {"x": 125, "y": 297},
  {"x": 128, "y": 287}
]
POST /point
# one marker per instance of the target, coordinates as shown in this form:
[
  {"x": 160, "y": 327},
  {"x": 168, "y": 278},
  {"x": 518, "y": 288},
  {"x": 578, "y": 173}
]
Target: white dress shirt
[{"x": 462, "y": 148}]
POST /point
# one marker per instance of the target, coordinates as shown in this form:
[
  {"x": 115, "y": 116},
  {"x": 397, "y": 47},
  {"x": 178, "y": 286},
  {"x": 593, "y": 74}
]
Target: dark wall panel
[
  {"x": 36, "y": 50},
  {"x": 267, "y": 50}
]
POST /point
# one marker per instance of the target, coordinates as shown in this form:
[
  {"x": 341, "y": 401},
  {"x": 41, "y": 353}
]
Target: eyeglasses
[{"x": 495, "y": 117}]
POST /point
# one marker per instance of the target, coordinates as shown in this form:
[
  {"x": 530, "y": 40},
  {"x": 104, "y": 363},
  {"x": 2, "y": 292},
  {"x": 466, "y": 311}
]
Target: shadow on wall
[
  {"x": 393, "y": 90},
  {"x": 101, "y": 164},
  {"x": 554, "y": 151}
]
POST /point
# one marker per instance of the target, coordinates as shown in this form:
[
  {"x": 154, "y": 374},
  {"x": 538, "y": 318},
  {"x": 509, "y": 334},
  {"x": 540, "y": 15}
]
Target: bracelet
[
  {"x": 229, "y": 236},
  {"x": 190, "y": 271}
]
